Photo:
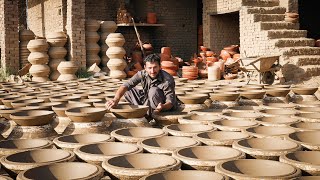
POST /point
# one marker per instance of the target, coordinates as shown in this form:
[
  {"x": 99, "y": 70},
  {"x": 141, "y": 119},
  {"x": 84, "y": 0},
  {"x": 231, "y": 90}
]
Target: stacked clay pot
[
  {"x": 24, "y": 36},
  {"x": 166, "y": 61},
  {"x": 67, "y": 70},
  {"x": 106, "y": 27},
  {"x": 57, "y": 52},
  {"x": 190, "y": 72},
  {"x": 39, "y": 59},
  {"x": 115, "y": 52},
  {"x": 291, "y": 17},
  {"x": 92, "y": 47}
]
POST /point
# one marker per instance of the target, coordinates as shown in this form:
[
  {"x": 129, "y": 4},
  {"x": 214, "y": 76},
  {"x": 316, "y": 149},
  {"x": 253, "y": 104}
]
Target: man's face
[{"x": 152, "y": 69}]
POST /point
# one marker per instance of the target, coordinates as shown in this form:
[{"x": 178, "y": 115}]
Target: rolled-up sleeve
[{"x": 135, "y": 80}]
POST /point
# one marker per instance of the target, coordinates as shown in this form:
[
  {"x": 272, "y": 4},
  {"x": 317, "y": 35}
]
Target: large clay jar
[
  {"x": 106, "y": 27},
  {"x": 24, "y": 36},
  {"x": 39, "y": 69},
  {"x": 214, "y": 73},
  {"x": 92, "y": 37},
  {"x": 57, "y": 52},
  {"x": 67, "y": 70}
]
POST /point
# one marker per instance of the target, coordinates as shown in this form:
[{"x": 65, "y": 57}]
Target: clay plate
[
  {"x": 129, "y": 111},
  {"x": 32, "y": 117}
]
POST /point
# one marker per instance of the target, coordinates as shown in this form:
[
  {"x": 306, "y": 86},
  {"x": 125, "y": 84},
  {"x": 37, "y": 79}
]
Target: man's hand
[
  {"x": 159, "y": 108},
  {"x": 111, "y": 103}
]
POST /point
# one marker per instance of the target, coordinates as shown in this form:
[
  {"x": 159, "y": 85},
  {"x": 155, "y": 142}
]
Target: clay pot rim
[
  {"x": 269, "y": 111},
  {"x": 245, "y": 136},
  {"x": 317, "y": 133},
  {"x": 242, "y": 109},
  {"x": 137, "y": 107},
  {"x": 252, "y": 131},
  {"x": 45, "y": 144},
  {"x": 247, "y": 123},
  {"x": 19, "y": 116},
  {"x": 286, "y": 159},
  {"x": 76, "y": 111},
  {"x": 200, "y": 128},
  {"x": 191, "y": 142},
  {"x": 115, "y": 133},
  {"x": 249, "y": 115},
  {"x": 59, "y": 142},
  {"x": 293, "y": 125},
  {"x": 188, "y": 173},
  {"x": 277, "y": 120}
]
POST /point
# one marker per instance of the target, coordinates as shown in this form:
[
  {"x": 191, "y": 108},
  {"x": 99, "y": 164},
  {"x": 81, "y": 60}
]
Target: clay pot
[
  {"x": 206, "y": 157},
  {"x": 38, "y": 45},
  {"x": 307, "y": 139},
  {"x": 61, "y": 108},
  {"x": 277, "y": 92},
  {"x": 38, "y": 58},
  {"x": 210, "y": 53},
  {"x": 278, "y": 112},
  {"x": 66, "y": 170},
  {"x": 307, "y": 161},
  {"x": 85, "y": 114},
  {"x": 308, "y": 117},
  {"x": 130, "y": 111},
  {"x": 115, "y": 39},
  {"x": 70, "y": 142},
  {"x": 167, "y": 144},
  {"x": 169, "y": 117},
  {"x": 67, "y": 70},
  {"x": 317, "y": 43},
  {"x": 304, "y": 90},
  {"x": 32, "y": 117},
  {"x": 108, "y": 26},
  {"x": 233, "y": 125},
  {"x": 226, "y": 96},
  {"x": 269, "y": 131},
  {"x": 250, "y": 109},
  {"x": 151, "y": 18},
  {"x": 198, "y": 119},
  {"x": 266, "y": 148},
  {"x": 185, "y": 175},
  {"x": 255, "y": 169},
  {"x": 139, "y": 165},
  {"x": 57, "y": 39},
  {"x": 225, "y": 55},
  {"x": 24, "y": 103},
  {"x": 34, "y": 158},
  {"x": 44, "y": 105},
  {"x": 279, "y": 121},
  {"x": 99, "y": 152},
  {"x": 252, "y": 94},
  {"x": 57, "y": 52},
  {"x": 187, "y": 130},
  {"x": 193, "y": 99},
  {"x": 220, "y": 138},
  {"x": 135, "y": 134},
  {"x": 241, "y": 115},
  {"x": 166, "y": 50},
  {"x": 8, "y": 111},
  {"x": 306, "y": 126},
  {"x": 308, "y": 103}
]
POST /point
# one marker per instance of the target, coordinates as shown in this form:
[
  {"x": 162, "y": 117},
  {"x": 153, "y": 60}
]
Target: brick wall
[
  {"x": 22, "y": 14},
  {"x": 290, "y": 5},
  {"x": 9, "y": 35}
]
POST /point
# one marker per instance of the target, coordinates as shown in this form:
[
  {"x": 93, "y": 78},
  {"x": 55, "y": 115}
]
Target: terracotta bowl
[
  {"x": 241, "y": 115},
  {"x": 44, "y": 105},
  {"x": 226, "y": 96},
  {"x": 279, "y": 105},
  {"x": 277, "y": 92},
  {"x": 65, "y": 170},
  {"x": 198, "y": 119},
  {"x": 269, "y": 131},
  {"x": 21, "y": 161},
  {"x": 167, "y": 144},
  {"x": 304, "y": 90},
  {"x": 193, "y": 98},
  {"x": 32, "y": 117},
  {"x": 8, "y": 111},
  {"x": 308, "y": 117},
  {"x": 233, "y": 125},
  {"x": 252, "y": 94},
  {"x": 69, "y": 142},
  {"x": 98, "y": 152},
  {"x": 308, "y": 161},
  {"x": 135, "y": 134},
  {"x": 306, "y": 126},
  {"x": 308, "y": 139},
  {"x": 187, "y": 130},
  {"x": 278, "y": 112},
  {"x": 206, "y": 157},
  {"x": 256, "y": 169},
  {"x": 135, "y": 166},
  {"x": 220, "y": 138},
  {"x": 281, "y": 121},
  {"x": 86, "y": 114},
  {"x": 266, "y": 148},
  {"x": 129, "y": 111},
  {"x": 186, "y": 175},
  {"x": 61, "y": 108},
  {"x": 308, "y": 109}
]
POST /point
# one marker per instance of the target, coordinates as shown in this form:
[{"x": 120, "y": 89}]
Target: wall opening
[{"x": 308, "y": 20}]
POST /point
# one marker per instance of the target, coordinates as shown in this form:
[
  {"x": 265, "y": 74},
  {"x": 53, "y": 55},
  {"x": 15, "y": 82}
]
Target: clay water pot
[
  {"x": 252, "y": 94},
  {"x": 276, "y": 121},
  {"x": 233, "y": 125},
  {"x": 24, "y": 103},
  {"x": 277, "y": 92},
  {"x": 32, "y": 117},
  {"x": 266, "y": 148},
  {"x": 253, "y": 169},
  {"x": 206, "y": 157},
  {"x": 85, "y": 114},
  {"x": 98, "y": 152},
  {"x": 61, "y": 108},
  {"x": 185, "y": 175},
  {"x": 70, "y": 142},
  {"x": 198, "y": 119},
  {"x": 308, "y": 161},
  {"x": 240, "y": 115},
  {"x": 108, "y": 26},
  {"x": 308, "y": 117},
  {"x": 8, "y": 147},
  {"x": 65, "y": 170},
  {"x": 169, "y": 117},
  {"x": 308, "y": 139},
  {"x": 151, "y": 18},
  {"x": 135, "y": 166},
  {"x": 269, "y": 131},
  {"x": 306, "y": 126},
  {"x": 278, "y": 112},
  {"x": 15, "y": 163},
  {"x": 187, "y": 130},
  {"x": 135, "y": 134},
  {"x": 167, "y": 144},
  {"x": 304, "y": 90},
  {"x": 193, "y": 98},
  {"x": 129, "y": 111},
  {"x": 57, "y": 39},
  {"x": 220, "y": 138}
]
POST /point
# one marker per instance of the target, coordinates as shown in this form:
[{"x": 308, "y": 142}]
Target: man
[{"x": 158, "y": 88}]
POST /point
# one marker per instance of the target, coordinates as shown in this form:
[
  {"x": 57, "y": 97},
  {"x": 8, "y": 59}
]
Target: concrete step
[
  {"x": 291, "y": 42},
  {"x": 275, "y": 34},
  {"x": 260, "y": 3},
  {"x": 304, "y": 60},
  {"x": 266, "y": 10},
  {"x": 297, "y": 51},
  {"x": 268, "y": 17},
  {"x": 311, "y": 70},
  {"x": 278, "y": 25}
]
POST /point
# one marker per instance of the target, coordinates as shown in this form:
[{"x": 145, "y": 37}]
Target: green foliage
[
  {"x": 82, "y": 73},
  {"x": 4, "y": 74}
]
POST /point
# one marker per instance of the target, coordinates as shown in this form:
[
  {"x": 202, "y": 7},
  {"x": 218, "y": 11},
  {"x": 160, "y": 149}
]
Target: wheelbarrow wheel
[{"x": 268, "y": 77}]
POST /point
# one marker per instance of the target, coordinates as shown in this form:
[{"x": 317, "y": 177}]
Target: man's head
[{"x": 152, "y": 65}]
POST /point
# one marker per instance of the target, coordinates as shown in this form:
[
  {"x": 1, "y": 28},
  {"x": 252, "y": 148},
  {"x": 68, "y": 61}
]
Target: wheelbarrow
[{"x": 266, "y": 66}]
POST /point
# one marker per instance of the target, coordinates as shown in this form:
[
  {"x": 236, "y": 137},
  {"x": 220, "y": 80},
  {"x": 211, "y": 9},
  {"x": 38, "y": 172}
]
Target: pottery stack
[
  {"x": 24, "y": 36},
  {"x": 116, "y": 52},
  {"x": 39, "y": 59},
  {"x": 92, "y": 47},
  {"x": 106, "y": 27},
  {"x": 67, "y": 70},
  {"x": 168, "y": 64},
  {"x": 190, "y": 72},
  {"x": 57, "y": 52}
]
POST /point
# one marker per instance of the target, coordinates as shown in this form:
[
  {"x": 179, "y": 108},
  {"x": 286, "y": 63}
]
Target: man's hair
[{"x": 152, "y": 58}]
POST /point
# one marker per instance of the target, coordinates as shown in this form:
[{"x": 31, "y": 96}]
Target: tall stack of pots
[
  {"x": 116, "y": 63},
  {"x": 92, "y": 47},
  {"x": 24, "y": 36},
  {"x": 57, "y": 52},
  {"x": 170, "y": 65},
  {"x": 67, "y": 70},
  {"x": 106, "y": 27},
  {"x": 39, "y": 59}
]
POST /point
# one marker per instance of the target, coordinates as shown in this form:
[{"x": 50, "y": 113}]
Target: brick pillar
[
  {"x": 75, "y": 27},
  {"x": 9, "y": 35}
]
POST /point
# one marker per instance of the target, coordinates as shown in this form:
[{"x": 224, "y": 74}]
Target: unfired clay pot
[
  {"x": 278, "y": 112},
  {"x": 187, "y": 130},
  {"x": 86, "y": 114},
  {"x": 186, "y": 175},
  {"x": 32, "y": 117},
  {"x": 61, "y": 108},
  {"x": 135, "y": 134},
  {"x": 220, "y": 138},
  {"x": 269, "y": 131},
  {"x": 198, "y": 119},
  {"x": 308, "y": 116},
  {"x": 308, "y": 139},
  {"x": 280, "y": 121},
  {"x": 193, "y": 98},
  {"x": 225, "y": 96},
  {"x": 240, "y": 115},
  {"x": 306, "y": 126},
  {"x": 129, "y": 111},
  {"x": 304, "y": 90},
  {"x": 169, "y": 117},
  {"x": 233, "y": 125}
]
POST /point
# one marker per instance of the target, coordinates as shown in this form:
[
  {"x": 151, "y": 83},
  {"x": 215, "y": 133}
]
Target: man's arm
[{"x": 114, "y": 102}]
